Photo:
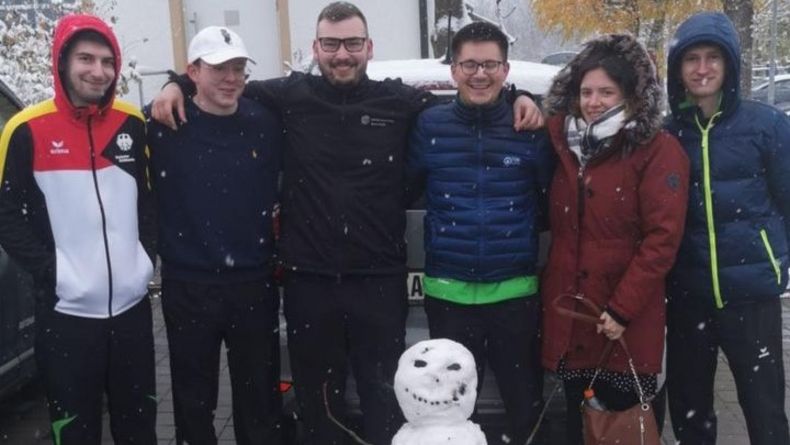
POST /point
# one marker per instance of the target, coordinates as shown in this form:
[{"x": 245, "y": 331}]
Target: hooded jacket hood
[
  {"x": 643, "y": 108},
  {"x": 705, "y": 27},
  {"x": 65, "y": 31}
]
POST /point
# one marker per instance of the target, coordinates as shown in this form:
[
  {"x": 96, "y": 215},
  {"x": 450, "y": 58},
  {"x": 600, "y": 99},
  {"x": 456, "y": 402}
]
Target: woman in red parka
[{"x": 617, "y": 210}]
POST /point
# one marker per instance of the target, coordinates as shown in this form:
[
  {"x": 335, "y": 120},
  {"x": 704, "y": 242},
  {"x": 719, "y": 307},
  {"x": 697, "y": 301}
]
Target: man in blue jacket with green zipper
[
  {"x": 485, "y": 186},
  {"x": 733, "y": 262}
]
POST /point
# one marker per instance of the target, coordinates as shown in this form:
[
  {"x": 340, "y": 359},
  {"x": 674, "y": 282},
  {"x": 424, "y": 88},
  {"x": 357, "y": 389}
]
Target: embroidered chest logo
[
  {"x": 58, "y": 148},
  {"x": 511, "y": 161},
  {"x": 124, "y": 141},
  {"x": 371, "y": 121},
  {"x": 123, "y": 153}
]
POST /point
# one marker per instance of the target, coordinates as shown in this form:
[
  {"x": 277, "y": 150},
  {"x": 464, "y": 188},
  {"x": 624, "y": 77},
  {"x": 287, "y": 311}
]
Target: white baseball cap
[{"x": 215, "y": 45}]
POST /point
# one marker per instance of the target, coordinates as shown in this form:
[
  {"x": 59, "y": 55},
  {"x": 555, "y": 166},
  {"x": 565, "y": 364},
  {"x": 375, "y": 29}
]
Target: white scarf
[{"x": 588, "y": 140}]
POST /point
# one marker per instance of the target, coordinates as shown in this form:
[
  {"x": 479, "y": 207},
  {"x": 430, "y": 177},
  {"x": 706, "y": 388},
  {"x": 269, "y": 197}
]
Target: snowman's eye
[
  {"x": 454, "y": 367},
  {"x": 420, "y": 363}
]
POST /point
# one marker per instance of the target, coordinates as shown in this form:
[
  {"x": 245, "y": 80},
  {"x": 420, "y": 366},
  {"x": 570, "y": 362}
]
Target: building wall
[{"x": 145, "y": 33}]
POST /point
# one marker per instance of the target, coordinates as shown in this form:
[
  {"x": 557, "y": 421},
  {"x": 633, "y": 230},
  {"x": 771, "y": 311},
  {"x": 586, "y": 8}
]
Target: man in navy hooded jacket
[{"x": 733, "y": 262}]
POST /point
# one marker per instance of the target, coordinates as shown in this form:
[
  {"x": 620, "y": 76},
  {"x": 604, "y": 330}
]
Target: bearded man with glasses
[{"x": 343, "y": 222}]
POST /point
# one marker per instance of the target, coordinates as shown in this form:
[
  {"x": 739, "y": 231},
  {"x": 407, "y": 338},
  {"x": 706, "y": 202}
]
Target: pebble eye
[
  {"x": 454, "y": 367},
  {"x": 420, "y": 363}
]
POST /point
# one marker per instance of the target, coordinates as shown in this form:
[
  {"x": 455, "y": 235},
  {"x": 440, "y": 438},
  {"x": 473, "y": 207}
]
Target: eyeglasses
[
  {"x": 470, "y": 67},
  {"x": 352, "y": 44}
]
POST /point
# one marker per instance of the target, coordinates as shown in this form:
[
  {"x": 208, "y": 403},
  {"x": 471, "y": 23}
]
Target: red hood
[{"x": 67, "y": 27}]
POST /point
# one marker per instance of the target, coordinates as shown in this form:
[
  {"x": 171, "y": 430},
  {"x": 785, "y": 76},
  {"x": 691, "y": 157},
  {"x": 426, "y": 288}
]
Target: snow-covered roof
[{"x": 434, "y": 75}]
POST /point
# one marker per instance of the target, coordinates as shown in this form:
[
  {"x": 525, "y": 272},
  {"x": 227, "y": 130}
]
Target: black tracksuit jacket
[{"x": 342, "y": 199}]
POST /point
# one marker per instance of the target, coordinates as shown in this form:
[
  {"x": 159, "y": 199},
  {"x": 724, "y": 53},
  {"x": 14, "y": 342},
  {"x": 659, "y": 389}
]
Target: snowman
[{"x": 436, "y": 387}]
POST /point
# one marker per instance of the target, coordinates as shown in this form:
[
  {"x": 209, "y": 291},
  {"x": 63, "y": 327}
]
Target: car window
[{"x": 7, "y": 110}]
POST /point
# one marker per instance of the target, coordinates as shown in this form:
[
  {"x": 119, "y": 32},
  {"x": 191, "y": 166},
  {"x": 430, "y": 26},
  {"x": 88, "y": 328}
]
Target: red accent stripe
[{"x": 61, "y": 143}]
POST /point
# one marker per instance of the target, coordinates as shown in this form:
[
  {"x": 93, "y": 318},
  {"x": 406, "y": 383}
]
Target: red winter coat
[{"x": 617, "y": 251}]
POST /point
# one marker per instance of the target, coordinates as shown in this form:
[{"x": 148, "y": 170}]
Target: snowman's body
[
  {"x": 457, "y": 433},
  {"x": 436, "y": 387}
]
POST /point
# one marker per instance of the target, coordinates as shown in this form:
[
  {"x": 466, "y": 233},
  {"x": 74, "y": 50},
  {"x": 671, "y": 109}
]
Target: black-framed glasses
[
  {"x": 470, "y": 67},
  {"x": 352, "y": 44}
]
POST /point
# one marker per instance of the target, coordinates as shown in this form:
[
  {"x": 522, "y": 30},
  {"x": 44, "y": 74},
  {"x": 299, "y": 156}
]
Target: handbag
[{"x": 634, "y": 426}]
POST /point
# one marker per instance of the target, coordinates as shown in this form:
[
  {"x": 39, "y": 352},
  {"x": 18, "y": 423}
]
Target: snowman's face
[{"x": 436, "y": 381}]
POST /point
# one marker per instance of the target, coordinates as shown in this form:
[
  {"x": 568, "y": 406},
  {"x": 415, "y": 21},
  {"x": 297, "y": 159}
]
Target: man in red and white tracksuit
[{"x": 73, "y": 200}]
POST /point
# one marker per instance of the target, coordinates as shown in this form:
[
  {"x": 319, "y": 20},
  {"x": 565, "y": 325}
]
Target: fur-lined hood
[{"x": 643, "y": 109}]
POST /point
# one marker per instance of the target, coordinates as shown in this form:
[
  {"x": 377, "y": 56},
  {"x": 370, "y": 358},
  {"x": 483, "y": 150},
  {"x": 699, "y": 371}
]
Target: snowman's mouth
[{"x": 454, "y": 398}]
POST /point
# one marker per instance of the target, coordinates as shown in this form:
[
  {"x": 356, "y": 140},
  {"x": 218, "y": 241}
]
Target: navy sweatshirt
[{"x": 215, "y": 180}]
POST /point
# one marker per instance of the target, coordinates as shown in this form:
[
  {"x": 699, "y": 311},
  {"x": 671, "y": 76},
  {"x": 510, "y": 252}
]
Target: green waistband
[{"x": 465, "y": 292}]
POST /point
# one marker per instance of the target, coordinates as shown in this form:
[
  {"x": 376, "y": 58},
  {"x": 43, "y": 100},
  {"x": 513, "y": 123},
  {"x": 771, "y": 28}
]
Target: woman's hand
[{"x": 609, "y": 327}]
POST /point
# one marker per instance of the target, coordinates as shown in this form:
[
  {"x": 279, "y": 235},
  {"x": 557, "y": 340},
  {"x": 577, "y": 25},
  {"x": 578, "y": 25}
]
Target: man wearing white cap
[{"x": 215, "y": 180}]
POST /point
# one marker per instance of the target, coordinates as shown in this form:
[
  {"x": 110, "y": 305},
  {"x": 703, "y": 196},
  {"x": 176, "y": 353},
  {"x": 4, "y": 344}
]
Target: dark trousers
[
  {"x": 614, "y": 399},
  {"x": 506, "y": 336},
  {"x": 330, "y": 321},
  {"x": 751, "y": 337},
  {"x": 199, "y": 317},
  {"x": 80, "y": 359}
]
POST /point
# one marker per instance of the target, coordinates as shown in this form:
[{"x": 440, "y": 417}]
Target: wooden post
[
  {"x": 178, "y": 34},
  {"x": 284, "y": 27}
]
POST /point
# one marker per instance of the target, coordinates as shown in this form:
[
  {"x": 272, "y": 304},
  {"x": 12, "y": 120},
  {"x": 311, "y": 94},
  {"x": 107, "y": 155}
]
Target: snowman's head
[{"x": 436, "y": 381}]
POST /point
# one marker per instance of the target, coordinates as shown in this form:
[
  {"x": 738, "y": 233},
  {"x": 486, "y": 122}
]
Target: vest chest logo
[
  {"x": 58, "y": 148},
  {"x": 511, "y": 161},
  {"x": 124, "y": 141},
  {"x": 371, "y": 121}
]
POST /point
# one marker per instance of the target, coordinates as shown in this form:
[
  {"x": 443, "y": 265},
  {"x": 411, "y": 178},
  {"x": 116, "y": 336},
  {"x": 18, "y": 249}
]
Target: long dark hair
[{"x": 614, "y": 65}]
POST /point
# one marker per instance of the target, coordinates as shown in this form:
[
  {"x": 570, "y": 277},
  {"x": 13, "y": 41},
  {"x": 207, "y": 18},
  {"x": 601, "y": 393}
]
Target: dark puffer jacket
[
  {"x": 616, "y": 223},
  {"x": 735, "y": 248},
  {"x": 485, "y": 185}
]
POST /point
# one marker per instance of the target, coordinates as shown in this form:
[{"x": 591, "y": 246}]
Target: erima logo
[
  {"x": 511, "y": 161},
  {"x": 124, "y": 141},
  {"x": 225, "y": 35},
  {"x": 58, "y": 148}
]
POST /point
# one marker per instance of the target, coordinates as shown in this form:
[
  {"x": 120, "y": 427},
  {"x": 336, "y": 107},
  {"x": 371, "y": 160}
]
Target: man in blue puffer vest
[
  {"x": 485, "y": 186},
  {"x": 732, "y": 264}
]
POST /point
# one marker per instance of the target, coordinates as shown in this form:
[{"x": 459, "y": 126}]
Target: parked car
[
  {"x": 16, "y": 297},
  {"x": 434, "y": 76},
  {"x": 559, "y": 58},
  {"x": 782, "y": 92}
]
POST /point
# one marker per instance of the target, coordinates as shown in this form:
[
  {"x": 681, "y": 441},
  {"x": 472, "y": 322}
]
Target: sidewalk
[{"x": 23, "y": 418}]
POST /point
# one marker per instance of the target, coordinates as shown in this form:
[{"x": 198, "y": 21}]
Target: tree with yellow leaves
[{"x": 650, "y": 20}]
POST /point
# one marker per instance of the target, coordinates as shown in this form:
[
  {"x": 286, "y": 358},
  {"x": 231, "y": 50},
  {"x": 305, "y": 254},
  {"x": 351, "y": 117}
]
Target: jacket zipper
[
  {"x": 714, "y": 257},
  {"x": 579, "y": 216},
  {"x": 481, "y": 223},
  {"x": 341, "y": 230},
  {"x": 103, "y": 217},
  {"x": 774, "y": 263}
]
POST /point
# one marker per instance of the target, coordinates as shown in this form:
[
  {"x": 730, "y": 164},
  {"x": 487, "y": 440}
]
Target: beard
[{"x": 356, "y": 72}]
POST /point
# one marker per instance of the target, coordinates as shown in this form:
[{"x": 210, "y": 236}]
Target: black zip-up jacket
[{"x": 342, "y": 198}]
